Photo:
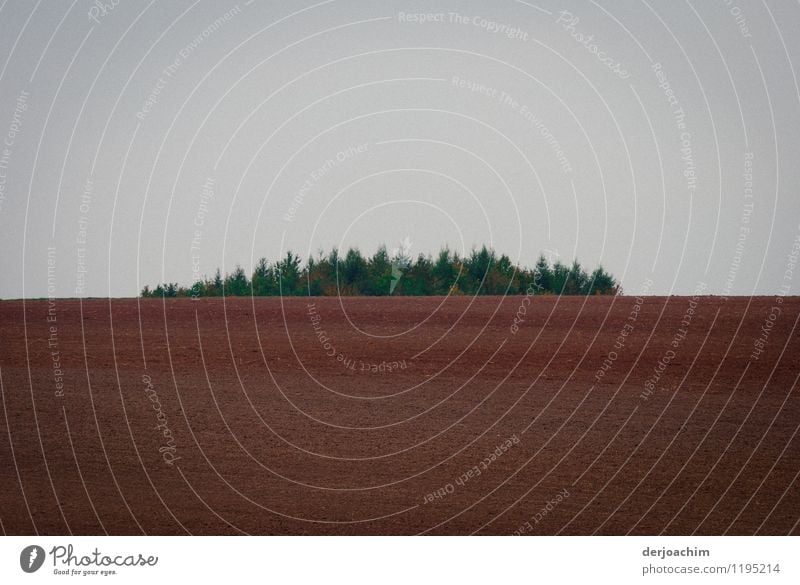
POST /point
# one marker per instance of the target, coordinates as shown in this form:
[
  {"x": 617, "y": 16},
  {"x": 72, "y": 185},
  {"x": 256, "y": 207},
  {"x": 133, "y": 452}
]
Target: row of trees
[{"x": 481, "y": 272}]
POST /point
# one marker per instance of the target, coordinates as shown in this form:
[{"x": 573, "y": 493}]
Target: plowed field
[{"x": 400, "y": 416}]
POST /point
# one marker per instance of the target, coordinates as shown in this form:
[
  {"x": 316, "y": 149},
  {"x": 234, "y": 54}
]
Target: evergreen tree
[
  {"x": 601, "y": 283},
  {"x": 577, "y": 280},
  {"x": 444, "y": 272},
  {"x": 288, "y": 271},
  {"x": 215, "y": 290},
  {"x": 482, "y": 273},
  {"x": 236, "y": 283},
  {"x": 353, "y": 273},
  {"x": 419, "y": 279},
  {"x": 263, "y": 281},
  {"x": 379, "y": 281},
  {"x": 559, "y": 277},
  {"x": 543, "y": 276}
]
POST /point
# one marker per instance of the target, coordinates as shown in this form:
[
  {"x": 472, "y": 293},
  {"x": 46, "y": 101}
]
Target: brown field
[{"x": 270, "y": 435}]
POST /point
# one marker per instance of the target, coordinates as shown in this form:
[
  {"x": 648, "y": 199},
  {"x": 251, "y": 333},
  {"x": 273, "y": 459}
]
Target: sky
[{"x": 145, "y": 142}]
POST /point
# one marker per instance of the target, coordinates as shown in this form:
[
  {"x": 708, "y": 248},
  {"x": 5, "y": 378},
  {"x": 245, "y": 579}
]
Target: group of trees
[{"x": 481, "y": 272}]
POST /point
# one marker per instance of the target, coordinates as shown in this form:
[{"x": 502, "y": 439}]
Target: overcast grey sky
[{"x": 152, "y": 141}]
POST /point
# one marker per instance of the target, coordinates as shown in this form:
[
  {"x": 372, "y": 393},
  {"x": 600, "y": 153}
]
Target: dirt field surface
[{"x": 601, "y": 415}]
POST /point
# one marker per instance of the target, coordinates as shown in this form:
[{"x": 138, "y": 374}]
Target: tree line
[{"x": 482, "y": 272}]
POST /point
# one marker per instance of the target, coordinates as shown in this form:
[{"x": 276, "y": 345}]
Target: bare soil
[{"x": 400, "y": 416}]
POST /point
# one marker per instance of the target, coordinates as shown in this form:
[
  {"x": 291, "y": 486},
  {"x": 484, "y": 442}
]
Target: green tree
[
  {"x": 321, "y": 275},
  {"x": 601, "y": 283},
  {"x": 482, "y": 272},
  {"x": 577, "y": 280},
  {"x": 379, "y": 279},
  {"x": 288, "y": 271},
  {"x": 559, "y": 276},
  {"x": 263, "y": 281},
  {"x": 477, "y": 269},
  {"x": 418, "y": 279},
  {"x": 444, "y": 272},
  {"x": 236, "y": 283},
  {"x": 543, "y": 276},
  {"x": 214, "y": 288},
  {"x": 353, "y": 273}
]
